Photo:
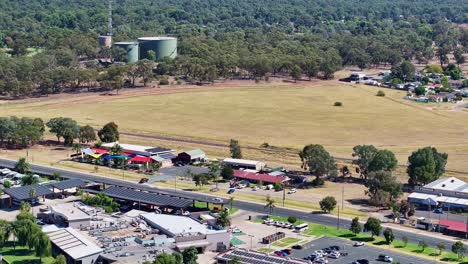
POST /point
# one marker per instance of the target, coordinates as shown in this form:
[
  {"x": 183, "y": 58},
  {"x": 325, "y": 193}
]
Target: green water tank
[
  {"x": 131, "y": 48},
  {"x": 162, "y": 47}
]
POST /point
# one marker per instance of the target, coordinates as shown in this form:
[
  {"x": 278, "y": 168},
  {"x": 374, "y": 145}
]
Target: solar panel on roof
[
  {"x": 67, "y": 184},
  {"x": 24, "y": 192},
  {"x": 167, "y": 155},
  {"x": 147, "y": 198}
]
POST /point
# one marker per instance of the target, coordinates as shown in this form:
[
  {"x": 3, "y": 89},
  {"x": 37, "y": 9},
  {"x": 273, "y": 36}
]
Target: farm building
[
  {"x": 191, "y": 156},
  {"x": 244, "y": 164}
]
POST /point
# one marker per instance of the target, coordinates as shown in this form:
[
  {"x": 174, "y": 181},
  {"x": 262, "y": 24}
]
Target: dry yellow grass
[{"x": 282, "y": 115}]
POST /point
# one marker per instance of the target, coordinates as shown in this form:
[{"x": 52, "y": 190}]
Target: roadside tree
[
  {"x": 459, "y": 249},
  {"x": 389, "y": 236},
  {"x": 86, "y": 134},
  {"x": 356, "y": 227},
  {"x": 373, "y": 225},
  {"x": 383, "y": 187},
  {"x": 328, "y": 204}
]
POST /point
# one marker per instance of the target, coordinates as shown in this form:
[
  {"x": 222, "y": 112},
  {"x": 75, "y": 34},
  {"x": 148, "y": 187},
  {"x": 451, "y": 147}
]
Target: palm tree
[
  {"x": 270, "y": 204},
  {"x": 32, "y": 194},
  {"x": 231, "y": 201},
  {"x": 214, "y": 171},
  {"x": 22, "y": 166},
  {"x": 116, "y": 149},
  {"x": 223, "y": 219}
]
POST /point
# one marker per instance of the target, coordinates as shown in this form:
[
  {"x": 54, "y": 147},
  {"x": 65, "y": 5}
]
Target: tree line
[
  {"x": 229, "y": 39},
  {"x": 25, "y": 132}
]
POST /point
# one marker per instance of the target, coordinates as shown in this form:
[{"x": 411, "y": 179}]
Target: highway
[{"x": 413, "y": 237}]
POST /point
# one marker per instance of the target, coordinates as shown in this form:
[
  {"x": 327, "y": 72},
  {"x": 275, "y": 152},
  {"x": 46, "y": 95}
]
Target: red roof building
[
  {"x": 259, "y": 177},
  {"x": 453, "y": 225}
]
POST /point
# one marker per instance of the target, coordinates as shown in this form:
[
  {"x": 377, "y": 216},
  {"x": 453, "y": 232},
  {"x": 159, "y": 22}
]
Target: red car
[
  {"x": 278, "y": 253},
  {"x": 289, "y": 251}
]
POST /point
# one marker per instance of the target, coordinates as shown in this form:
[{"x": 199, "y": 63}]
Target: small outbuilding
[
  {"x": 244, "y": 164},
  {"x": 191, "y": 156}
]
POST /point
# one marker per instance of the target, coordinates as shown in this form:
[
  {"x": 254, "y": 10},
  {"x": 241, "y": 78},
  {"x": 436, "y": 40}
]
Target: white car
[
  {"x": 293, "y": 190},
  {"x": 219, "y": 200},
  {"x": 320, "y": 252},
  {"x": 334, "y": 255},
  {"x": 388, "y": 259},
  {"x": 255, "y": 188},
  {"x": 236, "y": 230},
  {"x": 358, "y": 244}
]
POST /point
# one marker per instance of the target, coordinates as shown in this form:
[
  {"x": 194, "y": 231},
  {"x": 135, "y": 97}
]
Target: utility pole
[
  {"x": 342, "y": 197},
  {"x": 284, "y": 194},
  {"x": 338, "y": 220}
]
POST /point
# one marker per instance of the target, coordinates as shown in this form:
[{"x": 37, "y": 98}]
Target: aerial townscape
[{"x": 233, "y": 132}]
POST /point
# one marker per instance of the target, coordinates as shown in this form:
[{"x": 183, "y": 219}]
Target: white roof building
[
  {"x": 449, "y": 192},
  {"x": 188, "y": 232},
  {"x": 246, "y": 164},
  {"x": 74, "y": 245}
]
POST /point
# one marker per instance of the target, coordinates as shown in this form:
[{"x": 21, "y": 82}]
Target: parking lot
[{"x": 354, "y": 253}]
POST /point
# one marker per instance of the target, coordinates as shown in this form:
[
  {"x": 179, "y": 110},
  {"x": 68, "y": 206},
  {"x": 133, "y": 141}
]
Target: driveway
[{"x": 354, "y": 253}]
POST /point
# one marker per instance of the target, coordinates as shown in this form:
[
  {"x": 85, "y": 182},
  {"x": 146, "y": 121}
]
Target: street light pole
[{"x": 338, "y": 222}]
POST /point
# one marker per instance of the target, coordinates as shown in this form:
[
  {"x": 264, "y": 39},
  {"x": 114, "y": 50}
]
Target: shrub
[
  {"x": 164, "y": 81},
  {"x": 338, "y": 104},
  {"x": 318, "y": 182},
  {"x": 292, "y": 219},
  {"x": 380, "y": 93}
]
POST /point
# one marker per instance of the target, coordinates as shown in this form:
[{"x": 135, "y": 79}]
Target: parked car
[
  {"x": 255, "y": 188},
  {"x": 385, "y": 258},
  {"x": 337, "y": 248},
  {"x": 439, "y": 211},
  {"x": 358, "y": 244},
  {"x": 321, "y": 261},
  {"x": 334, "y": 255},
  {"x": 230, "y": 191},
  {"x": 298, "y": 247},
  {"x": 287, "y": 250},
  {"x": 293, "y": 190},
  {"x": 278, "y": 253},
  {"x": 219, "y": 200},
  {"x": 236, "y": 230},
  {"x": 361, "y": 261}
]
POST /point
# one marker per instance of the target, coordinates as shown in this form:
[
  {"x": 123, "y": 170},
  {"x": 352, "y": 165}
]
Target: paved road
[
  {"x": 355, "y": 253},
  {"x": 413, "y": 237}
]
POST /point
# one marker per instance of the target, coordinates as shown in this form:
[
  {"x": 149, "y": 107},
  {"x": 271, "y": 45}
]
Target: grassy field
[{"x": 282, "y": 115}]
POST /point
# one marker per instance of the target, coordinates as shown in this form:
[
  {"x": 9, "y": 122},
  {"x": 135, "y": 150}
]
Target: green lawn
[
  {"x": 286, "y": 242},
  {"x": 265, "y": 250},
  {"x": 21, "y": 255}
]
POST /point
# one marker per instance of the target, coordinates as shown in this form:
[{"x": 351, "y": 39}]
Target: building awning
[
  {"x": 454, "y": 225},
  {"x": 141, "y": 159},
  {"x": 100, "y": 151}
]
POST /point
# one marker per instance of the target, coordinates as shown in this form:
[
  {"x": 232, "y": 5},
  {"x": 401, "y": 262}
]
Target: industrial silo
[
  {"x": 162, "y": 47},
  {"x": 131, "y": 48},
  {"x": 105, "y": 41}
]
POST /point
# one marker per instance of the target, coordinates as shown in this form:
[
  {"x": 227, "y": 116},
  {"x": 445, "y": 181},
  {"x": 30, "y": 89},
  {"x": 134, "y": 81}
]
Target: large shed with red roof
[{"x": 259, "y": 177}]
